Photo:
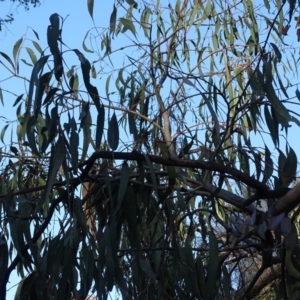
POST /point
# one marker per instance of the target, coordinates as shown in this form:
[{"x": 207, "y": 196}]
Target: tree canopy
[{"x": 161, "y": 167}]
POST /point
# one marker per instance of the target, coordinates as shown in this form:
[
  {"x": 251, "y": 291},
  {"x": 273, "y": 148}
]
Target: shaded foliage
[{"x": 176, "y": 180}]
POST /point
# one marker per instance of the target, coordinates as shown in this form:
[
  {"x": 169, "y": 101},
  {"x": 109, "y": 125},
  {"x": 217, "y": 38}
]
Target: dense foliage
[{"x": 163, "y": 167}]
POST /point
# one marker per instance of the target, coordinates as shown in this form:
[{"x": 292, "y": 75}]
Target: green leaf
[
  {"x": 100, "y": 127},
  {"x": 213, "y": 115},
  {"x": 113, "y": 20},
  {"x": 272, "y": 126},
  {"x": 85, "y": 48},
  {"x": 93, "y": 71},
  {"x": 3, "y": 257},
  {"x": 298, "y": 94},
  {"x": 92, "y": 90},
  {"x": 267, "y": 5},
  {"x": 18, "y": 100},
  {"x": 145, "y": 266},
  {"x": 123, "y": 184},
  {"x": 51, "y": 124},
  {"x": 1, "y": 97},
  {"x": 53, "y": 36},
  {"x": 132, "y": 3},
  {"x": 238, "y": 74},
  {"x": 30, "y": 127},
  {"x": 128, "y": 24},
  {"x": 27, "y": 287},
  {"x": 37, "y": 47},
  {"x": 145, "y": 21},
  {"x": 34, "y": 79},
  {"x": 213, "y": 266},
  {"x": 26, "y": 63},
  {"x": 8, "y": 59},
  {"x": 3, "y": 133},
  {"x": 74, "y": 143},
  {"x": 200, "y": 275},
  {"x": 113, "y": 133},
  {"x": 90, "y": 4},
  {"x": 277, "y": 52},
  {"x": 42, "y": 83},
  {"x": 282, "y": 113},
  {"x": 58, "y": 155},
  {"x": 290, "y": 166},
  {"x": 32, "y": 55},
  {"x": 35, "y": 33},
  {"x": 50, "y": 96},
  {"x": 86, "y": 123},
  {"x": 268, "y": 165},
  {"x": 16, "y": 48}
]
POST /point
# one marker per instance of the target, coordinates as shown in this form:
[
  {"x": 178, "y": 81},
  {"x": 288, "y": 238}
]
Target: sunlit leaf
[
  {"x": 128, "y": 24},
  {"x": 16, "y": 49},
  {"x": 32, "y": 55}
]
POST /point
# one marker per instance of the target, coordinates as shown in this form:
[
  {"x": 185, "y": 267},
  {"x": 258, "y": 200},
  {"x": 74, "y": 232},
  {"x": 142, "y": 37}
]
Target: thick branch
[
  {"x": 265, "y": 279},
  {"x": 288, "y": 202},
  {"x": 240, "y": 176}
]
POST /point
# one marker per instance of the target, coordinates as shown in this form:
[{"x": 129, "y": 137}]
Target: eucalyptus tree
[{"x": 164, "y": 163}]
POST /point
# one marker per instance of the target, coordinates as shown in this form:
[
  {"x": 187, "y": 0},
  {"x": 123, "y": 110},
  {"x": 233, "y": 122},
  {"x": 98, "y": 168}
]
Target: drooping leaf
[
  {"x": 32, "y": 55},
  {"x": 58, "y": 155},
  {"x": 113, "y": 20},
  {"x": 37, "y": 47},
  {"x": 85, "y": 48},
  {"x": 86, "y": 122},
  {"x": 90, "y": 4},
  {"x": 74, "y": 143},
  {"x": 16, "y": 51},
  {"x": 50, "y": 95},
  {"x": 277, "y": 52},
  {"x": 8, "y": 59},
  {"x": 1, "y": 97},
  {"x": 272, "y": 126},
  {"x": 100, "y": 127},
  {"x": 268, "y": 165},
  {"x": 298, "y": 94},
  {"x": 123, "y": 184},
  {"x": 290, "y": 166},
  {"x": 213, "y": 266},
  {"x": 113, "y": 132},
  {"x": 92, "y": 90},
  {"x": 145, "y": 266},
  {"x": 128, "y": 24},
  {"x": 41, "y": 86},
  {"x": 3, "y": 257},
  {"x": 34, "y": 79},
  {"x": 18, "y": 100},
  {"x": 30, "y": 130},
  {"x": 53, "y": 36}
]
